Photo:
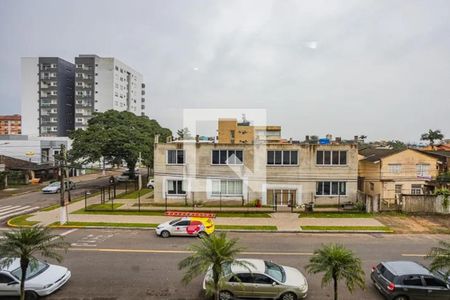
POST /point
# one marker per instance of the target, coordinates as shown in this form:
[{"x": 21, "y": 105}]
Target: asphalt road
[
  {"x": 135, "y": 264},
  {"x": 37, "y": 200}
]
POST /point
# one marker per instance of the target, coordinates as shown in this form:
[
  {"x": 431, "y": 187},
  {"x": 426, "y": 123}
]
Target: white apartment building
[{"x": 104, "y": 83}]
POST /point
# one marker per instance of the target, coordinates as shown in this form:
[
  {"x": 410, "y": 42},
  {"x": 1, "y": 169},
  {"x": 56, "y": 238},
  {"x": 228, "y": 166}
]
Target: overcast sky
[{"x": 379, "y": 68}]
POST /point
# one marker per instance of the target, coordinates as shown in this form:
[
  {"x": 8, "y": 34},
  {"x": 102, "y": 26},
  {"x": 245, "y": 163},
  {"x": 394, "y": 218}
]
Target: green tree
[
  {"x": 397, "y": 145},
  {"x": 440, "y": 257},
  {"x": 445, "y": 193},
  {"x": 431, "y": 136},
  {"x": 213, "y": 252},
  {"x": 25, "y": 244},
  {"x": 184, "y": 133},
  {"x": 116, "y": 136},
  {"x": 338, "y": 263}
]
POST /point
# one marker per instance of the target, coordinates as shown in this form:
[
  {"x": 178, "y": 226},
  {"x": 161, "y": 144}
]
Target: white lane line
[
  {"x": 17, "y": 208},
  {"x": 5, "y": 207},
  {"x": 18, "y": 213},
  {"x": 68, "y": 232}
]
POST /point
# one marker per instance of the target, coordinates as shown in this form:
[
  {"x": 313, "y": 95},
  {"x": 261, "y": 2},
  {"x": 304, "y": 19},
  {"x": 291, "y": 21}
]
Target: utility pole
[
  {"x": 62, "y": 165},
  {"x": 140, "y": 176}
]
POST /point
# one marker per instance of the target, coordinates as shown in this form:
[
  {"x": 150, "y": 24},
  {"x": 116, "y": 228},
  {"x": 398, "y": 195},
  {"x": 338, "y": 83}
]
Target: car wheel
[
  {"x": 58, "y": 191},
  {"x": 225, "y": 295},
  {"x": 402, "y": 297},
  {"x": 30, "y": 295},
  {"x": 288, "y": 296},
  {"x": 165, "y": 234},
  {"x": 202, "y": 234}
]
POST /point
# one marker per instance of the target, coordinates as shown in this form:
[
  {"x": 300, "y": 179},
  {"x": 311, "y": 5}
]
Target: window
[
  {"x": 395, "y": 168},
  {"x": 5, "y": 279},
  {"x": 262, "y": 279},
  {"x": 372, "y": 186},
  {"x": 282, "y": 157},
  {"x": 175, "y": 157},
  {"x": 242, "y": 278},
  {"x": 176, "y": 187},
  {"x": 227, "y": 157},
  {"x": 422, "y": 170},
  {"x": 416, "y": 189},
  {"x": 398, "y": 188},
  {"x": 431, "y": 281},
  {"x": 227, "y": 187},
  {"x": 331, "y": 157},
  {"x": 412, "y": 280},
  {"x": 331, "y": 188},
  {"x": 183, "y": 223}
]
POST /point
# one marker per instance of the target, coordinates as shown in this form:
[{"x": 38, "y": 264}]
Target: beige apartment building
[
  {"x": 281, "y": 173},
  {"x": 230, "y": 131},
  {"x": 387, "y": 173}
]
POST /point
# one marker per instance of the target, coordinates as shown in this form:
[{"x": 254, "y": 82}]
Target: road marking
[
  {"x": 414, "y": 255},
  {"x": 17, "y": 211},
  {"x": 155, "y": 251},
  {"x": 4, "y": 211},
  {"x": 68, "y": 232}
]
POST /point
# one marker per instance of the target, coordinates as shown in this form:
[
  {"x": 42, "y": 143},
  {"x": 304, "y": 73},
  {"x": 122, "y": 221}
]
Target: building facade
[
  {"x": 285, "y": 174},
  {"x": 102, "y": 84},
  {"x": 10, "y": 125},
  {"x": 230, "y": 131},
  {"x": 387, "y": 173},
  {"x": 47, "y": 96}
]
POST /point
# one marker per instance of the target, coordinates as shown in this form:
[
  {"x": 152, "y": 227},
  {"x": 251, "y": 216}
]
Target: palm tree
[
  {"x": 440, "y": 257},
  {"x": 337, "y": 262},
  {"x": 25, "y": 244},
  {"x": 214, "y": 251},
  {"x": 432, "y": 135}
]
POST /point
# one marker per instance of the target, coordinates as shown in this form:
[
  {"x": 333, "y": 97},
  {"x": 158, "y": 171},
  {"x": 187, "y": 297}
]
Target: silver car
[
  {"x": 260, "y": 279},
  {"x": 41, "y": 280}
]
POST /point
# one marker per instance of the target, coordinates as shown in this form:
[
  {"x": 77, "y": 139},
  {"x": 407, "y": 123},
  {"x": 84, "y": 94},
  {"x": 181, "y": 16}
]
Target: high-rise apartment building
[
  {"x": 10, "y": 125},
  {"x": 106, "y": 83},
  {"x": 47, "y": 96}
]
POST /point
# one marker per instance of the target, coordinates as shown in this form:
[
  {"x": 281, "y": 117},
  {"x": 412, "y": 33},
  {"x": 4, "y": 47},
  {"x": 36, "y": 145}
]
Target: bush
[
  {"x": 360, "y": 206},
  {"x": 251, "y": 203}
]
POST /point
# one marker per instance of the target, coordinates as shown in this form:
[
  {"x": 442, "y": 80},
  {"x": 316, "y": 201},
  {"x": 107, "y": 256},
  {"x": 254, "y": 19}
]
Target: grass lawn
[
  {"x": 349, "y": 228},
  {"x": 246, "y": 227},
  {"x": 22, "y": 221},
  {"x": 105, "y": 224},
  {"x": 105, "y": 209},
  {"x": 336, "y": 215},
  {"x": 134, "y": 194}
]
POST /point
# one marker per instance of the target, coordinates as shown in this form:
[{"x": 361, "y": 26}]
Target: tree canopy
[
  {"x": 117, "y": 136},
  {"x": 431, "y": 136}
]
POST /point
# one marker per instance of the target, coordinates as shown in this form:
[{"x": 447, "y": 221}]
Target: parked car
[
  {"x": 41, "y": 280},
  {"x": 125, "y": 176},
  {"x": 260, "y": 279},
  {"x": 55, "y": 187},
  {"x": 408, "y": 280},
  {"x": 151, "y": 184},
  {"x": 187, "y": 226}
]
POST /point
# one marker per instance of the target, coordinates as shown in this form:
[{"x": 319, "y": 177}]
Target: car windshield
[
  {"x": 32, "y": 270},
  {"x": 174, "y": 221},
  {"x": 55, "y": 184},
  {"x": 275, "y": 271}
]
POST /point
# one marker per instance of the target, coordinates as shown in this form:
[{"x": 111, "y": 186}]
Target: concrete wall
[
  {"x": 257, "y": 176},
  {"x": 30, "y": 95},
  {"x": 424, "y": 204}
]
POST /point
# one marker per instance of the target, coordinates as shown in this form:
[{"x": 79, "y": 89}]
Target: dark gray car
[{"x": 408, "y": 280}]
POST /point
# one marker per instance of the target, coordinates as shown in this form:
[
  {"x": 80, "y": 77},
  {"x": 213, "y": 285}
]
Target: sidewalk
[{"x": 284, "y": 221}]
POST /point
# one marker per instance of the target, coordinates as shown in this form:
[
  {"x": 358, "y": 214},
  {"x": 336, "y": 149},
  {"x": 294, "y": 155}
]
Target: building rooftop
[{"x": 373, "y": 155}]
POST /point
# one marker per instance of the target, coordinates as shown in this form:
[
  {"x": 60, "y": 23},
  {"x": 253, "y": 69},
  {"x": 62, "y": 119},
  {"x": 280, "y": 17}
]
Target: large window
[
  {"x": 227, "y": 157},
  {"x": 175, "y": 157},
  {"x": 331, "y": 188},
  {"x": 416, "y": 189},
  {"x": 282, "y": 157},
  {"x": 176, "y": 187},
  {"x": 395, "y": 168},
  {"x": 331, "y": 157},
  {"x": 227, "y": 187},
  {"x": 422, "y": 170}
]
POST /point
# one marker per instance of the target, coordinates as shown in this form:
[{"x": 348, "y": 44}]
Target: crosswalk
[{"x": 8, "y": 211}]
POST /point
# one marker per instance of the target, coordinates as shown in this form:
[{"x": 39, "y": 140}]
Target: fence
[{"x": 424, "y": 204}]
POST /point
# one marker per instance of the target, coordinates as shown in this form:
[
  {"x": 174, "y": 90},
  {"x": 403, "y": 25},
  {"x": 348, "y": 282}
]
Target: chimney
[
  {"x": 290, "y": 140},
  {"x": 307, "y": 138},
  {"x": 338, "y": 139},
  {"x": 356, "y": 138},
  {"x": 329, "y": 137},
  {"x": 156, "y": 141},
  {"x": 197, "y": 138}
]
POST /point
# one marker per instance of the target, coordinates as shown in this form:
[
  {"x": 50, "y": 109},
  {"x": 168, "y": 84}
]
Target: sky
[{"x": 378, "y": 68}]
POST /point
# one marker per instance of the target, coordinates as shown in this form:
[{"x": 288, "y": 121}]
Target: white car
[
  {"x": 55, "y": 187},
  {"x": 151, "y": 184},
  {"x": 41, "y": 280}
]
